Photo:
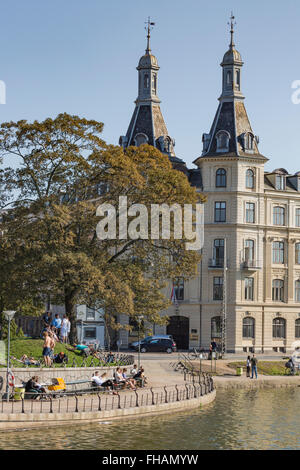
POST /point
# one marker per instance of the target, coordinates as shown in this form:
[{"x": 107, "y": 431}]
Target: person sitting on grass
[{"x": 60, "y": 358}]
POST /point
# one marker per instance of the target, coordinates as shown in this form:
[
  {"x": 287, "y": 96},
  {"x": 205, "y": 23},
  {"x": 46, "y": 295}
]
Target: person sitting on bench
[
  {"x": 129, "y": 381},
  {"x": 101, "y": 381}
]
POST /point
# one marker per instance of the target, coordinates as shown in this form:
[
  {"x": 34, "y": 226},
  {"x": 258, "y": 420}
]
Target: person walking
[
  {"x": 248, "y": 366},
  {"x": 253, "y": 366}
]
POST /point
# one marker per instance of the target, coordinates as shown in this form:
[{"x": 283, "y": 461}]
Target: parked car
[
  {"x": 147, "y": 339},
  {"x": 157, "y": 345}
]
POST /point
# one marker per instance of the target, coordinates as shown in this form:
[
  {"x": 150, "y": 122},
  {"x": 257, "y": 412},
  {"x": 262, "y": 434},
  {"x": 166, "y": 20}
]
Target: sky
[{"x": 80, "y": 57}]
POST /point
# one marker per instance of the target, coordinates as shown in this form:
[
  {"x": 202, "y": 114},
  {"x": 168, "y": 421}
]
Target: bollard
[
  {"x": 152, "y": 393},
  {"x": 76, "y": 406},
  {"x": 166, "y": 394}
]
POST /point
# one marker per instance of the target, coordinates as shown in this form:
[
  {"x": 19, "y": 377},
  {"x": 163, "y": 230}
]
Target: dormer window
[
  {"x": 249, "y": 141},
  {"x": 222, "y": 141},
  {"x": 140, "y": 139},
  {"x": 280, "y": 182}
]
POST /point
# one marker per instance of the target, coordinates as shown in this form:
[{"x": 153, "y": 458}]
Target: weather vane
[
  {"x": 232, "y": 24},
  {"x": 148, "y": 28}
]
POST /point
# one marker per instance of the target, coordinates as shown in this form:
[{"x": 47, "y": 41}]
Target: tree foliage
[{"x": 63, "y": 171}]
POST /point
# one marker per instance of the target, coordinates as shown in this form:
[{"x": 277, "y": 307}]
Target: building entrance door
[{"x": 179, "y": 328}]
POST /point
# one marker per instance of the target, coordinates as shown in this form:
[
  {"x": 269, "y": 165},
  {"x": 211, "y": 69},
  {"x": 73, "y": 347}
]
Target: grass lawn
[
  {"x": 264, "y": 367},
  {"x": 34, "y": 347}
]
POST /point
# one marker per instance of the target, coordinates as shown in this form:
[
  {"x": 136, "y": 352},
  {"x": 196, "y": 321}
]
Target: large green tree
[{"x": 63, "y": 171}]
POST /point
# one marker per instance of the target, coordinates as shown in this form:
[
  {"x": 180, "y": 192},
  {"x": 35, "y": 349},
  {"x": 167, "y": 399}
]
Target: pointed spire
[
  {"x": 232, "y": 24},
  {"x": 148, "y": 28}
]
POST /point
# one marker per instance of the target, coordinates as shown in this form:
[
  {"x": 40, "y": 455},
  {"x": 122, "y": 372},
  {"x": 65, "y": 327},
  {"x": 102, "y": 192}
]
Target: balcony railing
[
  {"x": 217, "y": 263},
  {"x": 251, "y": 264}
]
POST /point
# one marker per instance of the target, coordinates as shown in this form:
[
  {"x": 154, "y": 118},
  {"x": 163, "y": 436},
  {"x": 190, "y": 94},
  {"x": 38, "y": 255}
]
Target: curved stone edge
[
  {"x": 21, "y": 421},
  {"x": 251, "y": 384}
]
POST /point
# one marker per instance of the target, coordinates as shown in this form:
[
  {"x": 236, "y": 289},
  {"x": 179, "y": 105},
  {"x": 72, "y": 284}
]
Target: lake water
[{"x": 238, "y": 419}]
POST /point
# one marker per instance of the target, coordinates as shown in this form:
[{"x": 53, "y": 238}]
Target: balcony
[
  {"x": 216, "y": 263},
  {"x": 251, "y": 264}
]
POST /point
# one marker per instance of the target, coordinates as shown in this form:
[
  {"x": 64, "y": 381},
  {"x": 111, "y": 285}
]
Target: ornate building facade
[{"x": 255, "y": 213}]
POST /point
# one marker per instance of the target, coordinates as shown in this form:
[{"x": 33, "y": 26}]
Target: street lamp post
[
  {"x": 9, "y": 315},
  {"x": 140, "y": 317}
]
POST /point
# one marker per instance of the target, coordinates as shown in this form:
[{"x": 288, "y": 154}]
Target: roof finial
[
  {"x": 148, "y": 29},
  {"x": 232, "y": 24}
]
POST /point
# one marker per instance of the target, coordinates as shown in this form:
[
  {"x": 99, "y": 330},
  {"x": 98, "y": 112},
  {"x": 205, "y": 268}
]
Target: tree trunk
[{"x": 70, "y": 306}]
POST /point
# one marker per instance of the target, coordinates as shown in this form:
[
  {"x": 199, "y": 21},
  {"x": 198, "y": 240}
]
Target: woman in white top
[{"x": 64, "y": 329}]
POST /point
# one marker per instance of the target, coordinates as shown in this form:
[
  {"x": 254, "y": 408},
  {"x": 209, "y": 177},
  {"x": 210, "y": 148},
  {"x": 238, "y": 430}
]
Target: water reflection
[{"x": 253, "y": 419}]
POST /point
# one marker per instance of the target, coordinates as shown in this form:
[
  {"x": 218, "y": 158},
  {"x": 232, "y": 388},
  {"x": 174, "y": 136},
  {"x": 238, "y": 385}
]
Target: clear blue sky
[{"x": 80, "y": 57}]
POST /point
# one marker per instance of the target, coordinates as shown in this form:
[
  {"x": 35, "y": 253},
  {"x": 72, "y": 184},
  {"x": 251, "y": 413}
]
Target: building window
[
  {"x": 216, "y": 327},
  {"x": 146, "y": 80},
  {"x": 220, "y": 211},
  {"x": 228, "y": 78},
  {"x": 154, "y": 82},
  {"x": 237, "y": 79},
  {"x": 249, "y": 140},
  {"x": 249, "y": 284},
  {"x": 297, "y": 328},
  {"x": 248, "y": 327},
  {"x": 280, "y": 182},
  {"x": 178, "y": 285},
  {"x": 278, "y": 252},
  {"x": 297, "y": 253},
  {"x": 218, "y": 288},
  {"x": 278, "y": 215},
  {"x": 249, "y": 179},
  {"x": 219, "y": 251},
  {"x": 279, "y": 328},
  {"x": 277, "y": 290},
  {"x": 297, "y": 218},
  {"x": 222, "y": 141},
  {"x": 221, "y": 178},
  {"x": 297, "y": 291},
  {"x": 90, "y": 333},
  {"x": 90, "y": 313},
  {"x": 140, "y": 139},
  {"x": 249, "y": 250},
  {"x": 250, "y": 212}
]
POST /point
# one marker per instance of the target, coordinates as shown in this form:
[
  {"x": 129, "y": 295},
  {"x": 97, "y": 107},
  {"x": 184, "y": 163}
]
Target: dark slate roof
[{"x": 195, "y": 178}]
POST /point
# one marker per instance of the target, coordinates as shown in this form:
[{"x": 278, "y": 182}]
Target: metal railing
[
  {"x": 90, "y": 361},
  {"x": 191, "y": 374},
  {"x": 97, "y": 401}
]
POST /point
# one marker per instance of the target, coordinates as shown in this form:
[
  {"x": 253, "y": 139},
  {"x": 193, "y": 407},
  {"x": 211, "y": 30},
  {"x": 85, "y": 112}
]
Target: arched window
[
  {"x": 249, "y": 141},
  {"x": 297, "y": 291},
  {"x": 249, "y": 179},
  {"x": 237, "y": 79},
  {"x": 140, "y": 139},
  {"x": 216, "y": 327},
  {"x": 222, "y": 141},
  {"x": 228, "y": 78},
  {"x": 297, "y": 328},
  {"x": 277, "y": 290},
  {"x": 278, "y": 215},
  {"x": 221, "y": 178},
  {"x": 146, "y": 80},
  {"x": 154, "y": 82},
  {"x": 279, "y": 328},
  {"x": 248, "y": 327}
]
